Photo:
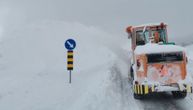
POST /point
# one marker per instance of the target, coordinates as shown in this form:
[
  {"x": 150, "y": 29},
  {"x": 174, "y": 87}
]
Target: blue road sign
[{"x": 70, "y": 44}]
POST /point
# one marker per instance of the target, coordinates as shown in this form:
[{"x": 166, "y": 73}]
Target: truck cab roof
[{"x": 149, "y": 25}]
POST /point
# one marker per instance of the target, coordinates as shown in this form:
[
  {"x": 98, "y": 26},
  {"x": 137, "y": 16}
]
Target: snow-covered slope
[
  {"x": 190, "y": 51},
  {"x": 33, "y": 68},
  {"x": 34, "y": 76},
  {"x": 190, "y": 58}
]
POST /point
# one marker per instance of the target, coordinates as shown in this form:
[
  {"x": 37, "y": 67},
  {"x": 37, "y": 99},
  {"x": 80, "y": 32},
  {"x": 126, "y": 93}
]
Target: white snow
[
  {"x": 33, "y": 68},
  {"x": 156, "y": 48},
  {"x": 34, "y": 76},
  {"x": 149, "y": 24}
]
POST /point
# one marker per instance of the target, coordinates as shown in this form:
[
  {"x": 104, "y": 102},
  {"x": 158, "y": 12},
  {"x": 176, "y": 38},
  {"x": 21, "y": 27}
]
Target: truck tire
[
  {"x": 138, "y": 96},
  {"x": 131, "y": 73},
  {"x": 179, "y": 94}
]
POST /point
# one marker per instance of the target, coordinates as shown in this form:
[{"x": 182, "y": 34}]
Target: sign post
[{"x": 70, "y": 44}]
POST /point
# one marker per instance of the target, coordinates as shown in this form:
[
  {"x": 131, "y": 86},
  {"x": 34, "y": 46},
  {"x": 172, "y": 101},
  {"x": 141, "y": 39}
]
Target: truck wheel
[
  {"x": 131, "y": 73},
  {"x": 138, "y": 96},
  {"x": 179, "y": 94}
]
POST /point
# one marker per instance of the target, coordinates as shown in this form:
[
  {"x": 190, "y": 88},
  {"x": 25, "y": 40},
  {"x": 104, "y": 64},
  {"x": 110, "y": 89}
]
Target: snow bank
[
  {"x": 35, "y": 66},
  {"x": 190, "y": 59},
  {"x": 190, "y": 52}
]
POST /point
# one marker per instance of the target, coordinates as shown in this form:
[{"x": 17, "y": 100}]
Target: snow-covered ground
[{"x": 34, "y": 76}]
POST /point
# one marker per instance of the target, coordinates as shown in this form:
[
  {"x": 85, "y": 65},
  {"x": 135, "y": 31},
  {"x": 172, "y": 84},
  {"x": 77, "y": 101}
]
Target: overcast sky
[{"x": 110, "y": 15}]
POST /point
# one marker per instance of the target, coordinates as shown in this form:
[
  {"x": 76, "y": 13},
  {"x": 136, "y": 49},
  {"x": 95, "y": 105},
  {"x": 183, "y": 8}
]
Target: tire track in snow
[
  {"x": 120, "y": 87},
  {"x": 160, "y": 101}
]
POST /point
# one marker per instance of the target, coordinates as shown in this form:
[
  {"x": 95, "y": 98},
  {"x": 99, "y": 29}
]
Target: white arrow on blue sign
[{"x": 70, "y": 44}]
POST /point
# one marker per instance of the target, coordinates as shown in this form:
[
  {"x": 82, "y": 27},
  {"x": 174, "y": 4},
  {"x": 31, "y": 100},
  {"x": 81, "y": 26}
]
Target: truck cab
[
  {"x": 143, "y": 34},
  {"x": 157, "y": 65}
]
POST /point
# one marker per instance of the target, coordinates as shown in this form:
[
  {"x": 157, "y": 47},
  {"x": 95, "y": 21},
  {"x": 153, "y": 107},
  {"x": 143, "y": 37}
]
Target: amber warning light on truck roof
[{"x": 129, "y": 29}]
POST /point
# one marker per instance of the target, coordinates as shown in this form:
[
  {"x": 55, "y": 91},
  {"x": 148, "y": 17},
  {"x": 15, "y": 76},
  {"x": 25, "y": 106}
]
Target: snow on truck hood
[{"x": 155, "y": 48}]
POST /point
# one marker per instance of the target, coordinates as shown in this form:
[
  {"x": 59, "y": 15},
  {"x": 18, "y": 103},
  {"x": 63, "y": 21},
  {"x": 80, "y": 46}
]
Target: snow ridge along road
[{"x": 33, "y": 75}]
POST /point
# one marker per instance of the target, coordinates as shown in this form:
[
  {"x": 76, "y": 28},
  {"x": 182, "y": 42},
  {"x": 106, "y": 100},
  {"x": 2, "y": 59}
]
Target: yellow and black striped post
[
  {"x": 70, "y": 62},
  {"x": 70, "y": 45}
]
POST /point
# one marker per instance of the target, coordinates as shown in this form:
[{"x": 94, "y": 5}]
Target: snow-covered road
[{"x": 33, "y": 74}]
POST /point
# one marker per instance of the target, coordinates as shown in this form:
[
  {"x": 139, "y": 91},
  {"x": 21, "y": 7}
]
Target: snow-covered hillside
[
  {"x": 190, "y": 58},
  {"x": 33, "y": 68},
  {"x": 34, "y": 76}
]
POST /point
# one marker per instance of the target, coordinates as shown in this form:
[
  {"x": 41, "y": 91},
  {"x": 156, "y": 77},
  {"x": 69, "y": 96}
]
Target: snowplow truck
[{"x": 156, "y": 64}]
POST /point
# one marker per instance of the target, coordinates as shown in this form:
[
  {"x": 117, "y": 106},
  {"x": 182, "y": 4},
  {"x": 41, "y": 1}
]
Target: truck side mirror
[
  {"x": 186, "y": 59},
  {"x": 129, "y": 31},
  {"x": 129, "y": 36}
]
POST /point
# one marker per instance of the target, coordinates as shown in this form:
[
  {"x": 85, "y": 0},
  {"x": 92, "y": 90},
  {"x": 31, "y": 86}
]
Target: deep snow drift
[
  {"x": 33, "y": 68},
  {"x": 34, "y": 76}
]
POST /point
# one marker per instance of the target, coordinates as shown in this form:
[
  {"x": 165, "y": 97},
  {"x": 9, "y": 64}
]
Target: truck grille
[{"x": 164, "y": 57}]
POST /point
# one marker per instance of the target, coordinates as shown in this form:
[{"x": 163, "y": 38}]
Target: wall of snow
[{"x": 34, "y": 65}]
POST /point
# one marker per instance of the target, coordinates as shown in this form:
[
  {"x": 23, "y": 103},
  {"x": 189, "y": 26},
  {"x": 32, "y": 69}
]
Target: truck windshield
[
  {"x": 165, "y": 57},
  {"x": 155, "y": 36},
  {"x": 140, "y": 38},
  {"x": 161, "y": 34}
]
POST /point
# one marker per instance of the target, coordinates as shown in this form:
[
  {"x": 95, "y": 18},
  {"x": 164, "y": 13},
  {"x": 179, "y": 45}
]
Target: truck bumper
[{"x": 150, "y": 88}]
